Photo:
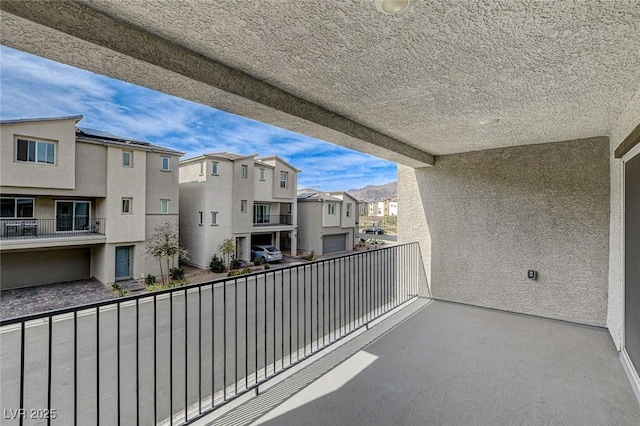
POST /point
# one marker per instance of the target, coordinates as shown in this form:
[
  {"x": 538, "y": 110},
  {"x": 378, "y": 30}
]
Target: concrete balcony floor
[{"x": 440, "y": 363}]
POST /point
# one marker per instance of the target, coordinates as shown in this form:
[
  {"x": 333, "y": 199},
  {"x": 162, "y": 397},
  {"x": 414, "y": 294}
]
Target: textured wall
[
  {"x": 484, "y": 218},
  {"x": 621, "y": 129}
]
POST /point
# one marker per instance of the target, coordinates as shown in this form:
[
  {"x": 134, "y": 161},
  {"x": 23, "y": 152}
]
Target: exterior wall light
[{"x": 393, "y": 7}]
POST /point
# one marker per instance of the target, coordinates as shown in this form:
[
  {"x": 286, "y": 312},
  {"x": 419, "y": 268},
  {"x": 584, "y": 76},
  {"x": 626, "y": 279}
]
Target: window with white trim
[
  {"x": 164, "y": 206},
  {"x": 202, "y": 164},
  {"x": 245, "y": 171},
  {"x": 34, "y": 151},
  {"x": 214, "y": 218},
  {"x": 214, "y": 168},
  {"x": 127, "y": 159},
  {"x": 331, "y": 208},
  {"x": 262, "y": 174},
  {"x": 165, "y": 164},
  {"x": 17, "y": 207},
  {"x": 200, "y": 218},
  {"x": 348, "y": 210},
  {"x": 284, "y": 177},
  {"x": 243, "y": 206},
  {"x": 126, "y": 205}
]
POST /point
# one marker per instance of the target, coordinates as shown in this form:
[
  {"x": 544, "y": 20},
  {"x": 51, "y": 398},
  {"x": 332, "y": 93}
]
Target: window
[
  {"x": 36, "y": 151},
  {"x": 73, "y": 215},
  {"x": 214, "y": 168},
  {"x": 262, "y": 172},
  {"x": 127, "y": 159},
  {"x": 126, "y": 205},
  {"x": 164, "y": 206},
  {"x": 202, "y": 168},
  {"x": 290, "y": 208},
  {"x": 245, "y": 171},
  {"x": 243, "y": 206},
  {"x": 284, "y": 176},
  {"x": 17, "y": 207},
  {"x": 200, "y": 218},
  {"x": 261, "y": 213},
  {"x": 214, "y": 218},
  {"x": 348, "y": 210},
  {"x": 165, "y": 164},
  {"x": 332, "y": 208}
]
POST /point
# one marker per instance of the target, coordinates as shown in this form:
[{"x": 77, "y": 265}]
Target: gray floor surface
[{"x": 451, "y": 364}]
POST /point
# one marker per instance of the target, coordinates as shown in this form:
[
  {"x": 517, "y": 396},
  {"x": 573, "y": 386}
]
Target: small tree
[
  {"x": 228, "y": 249},
  {"x": 165, "y": 245}
]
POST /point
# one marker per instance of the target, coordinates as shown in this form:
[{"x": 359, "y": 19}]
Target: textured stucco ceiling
[{"x": 549, "y": 70}]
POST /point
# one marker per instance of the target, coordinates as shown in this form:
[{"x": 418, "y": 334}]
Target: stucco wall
[
  {"x": 61, "y": 175},
  {"x": 484, "y": 218},
  {"x": 125, "y": 182},
  {"x": 628, "y": 121},
  {"x": 310, "y": 226}
]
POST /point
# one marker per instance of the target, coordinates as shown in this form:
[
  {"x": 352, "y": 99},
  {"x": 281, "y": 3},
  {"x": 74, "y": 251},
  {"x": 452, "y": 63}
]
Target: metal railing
[
  {"x": 173, "y": 356},
  {"x": 47, "y": 228},
  {"x": 283, "y": 219}
]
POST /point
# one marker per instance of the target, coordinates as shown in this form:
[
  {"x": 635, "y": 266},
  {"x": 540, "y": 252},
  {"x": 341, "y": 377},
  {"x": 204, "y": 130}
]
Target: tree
[
  {"x": 228, "y": 249},
  {"x": 165, "y": 245}
]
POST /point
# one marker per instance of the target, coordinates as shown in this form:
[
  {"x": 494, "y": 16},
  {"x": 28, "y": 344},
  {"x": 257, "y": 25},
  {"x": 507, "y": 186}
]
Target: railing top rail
[{"x": 182, "y": 289}]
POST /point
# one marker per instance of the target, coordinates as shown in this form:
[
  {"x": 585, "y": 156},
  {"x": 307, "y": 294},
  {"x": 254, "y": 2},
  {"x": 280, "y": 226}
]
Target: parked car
[
  {"x": 374, "y": 230},
  {"x": 266, "y": 254}
]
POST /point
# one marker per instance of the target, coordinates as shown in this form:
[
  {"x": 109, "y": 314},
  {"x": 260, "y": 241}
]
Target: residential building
[
  {"x": 363, "y": 208},
  {"x": 225, "y": 195},
  {"x": 80, "y": 203},
  {"x": 327, "y": 222},
  {"x": 393, "y": 207}
]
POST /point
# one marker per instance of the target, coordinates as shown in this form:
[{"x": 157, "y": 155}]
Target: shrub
[
  {"x": 217, "y": 265},
  {"x": 115, "y": 286},
  {"x": 177, "y": 274},
  {"x": 257, "y": 261},
  {"x": 150, "y": 280},
  {"x": 267, "y": 266},
  {"x": 177, "y": 283},
  {"x": 311, "y": 256},
  {"x": 236, "y": 272},
  {"x": 235, "y": 263},
  {"x": 155, "y": 287},
  {"x": 122, "y": 293}
]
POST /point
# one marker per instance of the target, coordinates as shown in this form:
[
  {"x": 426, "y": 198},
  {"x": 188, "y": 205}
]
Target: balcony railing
[
  {"x": 48, "y": 228},
  {"x": 175, "y": 355},
  {"x": 283, "y": 219}
]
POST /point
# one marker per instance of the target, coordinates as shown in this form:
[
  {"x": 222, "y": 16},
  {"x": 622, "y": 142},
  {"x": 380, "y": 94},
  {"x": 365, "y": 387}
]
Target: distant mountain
[{"x": 376, "y": 192}]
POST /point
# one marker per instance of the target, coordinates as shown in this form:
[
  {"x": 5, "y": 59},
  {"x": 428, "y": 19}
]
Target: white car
[{"x": 266, "y": 254}]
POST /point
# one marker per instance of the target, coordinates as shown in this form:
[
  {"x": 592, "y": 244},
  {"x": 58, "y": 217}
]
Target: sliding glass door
[{"x": 72, "y": 215}]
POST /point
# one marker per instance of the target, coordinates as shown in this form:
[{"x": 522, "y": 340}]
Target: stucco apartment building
[
  {"x": 225, "y": 195},
  {"x": 327, "y": 222},
  {"x": 80, "y": 203}
]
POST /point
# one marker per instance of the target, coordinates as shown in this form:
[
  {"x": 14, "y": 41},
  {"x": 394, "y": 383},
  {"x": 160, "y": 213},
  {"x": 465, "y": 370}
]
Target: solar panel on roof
[{"x": 100, "y": 133}]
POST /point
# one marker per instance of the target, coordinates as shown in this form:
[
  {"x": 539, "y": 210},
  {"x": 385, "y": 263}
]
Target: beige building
[
  {"x": 327, "y": 222},
  {"x": 80, "y": 203},
  {"x": 226, "y": 195}
]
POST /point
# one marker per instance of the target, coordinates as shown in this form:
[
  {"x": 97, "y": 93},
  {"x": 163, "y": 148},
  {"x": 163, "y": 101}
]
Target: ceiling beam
[{"x": 81, "y": 22}]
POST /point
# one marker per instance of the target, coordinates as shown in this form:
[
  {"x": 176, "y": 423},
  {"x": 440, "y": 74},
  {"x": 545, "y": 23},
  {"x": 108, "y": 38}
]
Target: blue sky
[{"x": 33, "y": 87}]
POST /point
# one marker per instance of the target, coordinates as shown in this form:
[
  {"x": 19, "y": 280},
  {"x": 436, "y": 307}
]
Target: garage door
[
  {"x": 261, "y": 239},
  {"x": 44, "y": 267},
  {"x": 334, "y": 243}
]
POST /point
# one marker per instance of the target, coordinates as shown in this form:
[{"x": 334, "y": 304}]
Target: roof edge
[{"x": 77, "y": 118}]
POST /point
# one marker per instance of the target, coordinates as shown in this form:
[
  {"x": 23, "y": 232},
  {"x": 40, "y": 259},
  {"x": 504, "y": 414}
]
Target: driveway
[{"x": 42, "y": 298}]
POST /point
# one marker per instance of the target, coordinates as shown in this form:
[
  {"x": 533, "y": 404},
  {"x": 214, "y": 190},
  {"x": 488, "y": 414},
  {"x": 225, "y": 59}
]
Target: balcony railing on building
[
  {"x": 172, "y": 356},
  {"x": 266, "y": 220},
  {"x": 50, "y": 228}
]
